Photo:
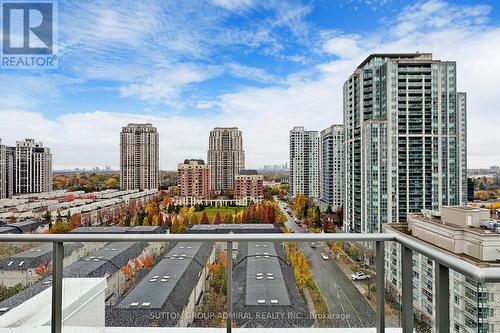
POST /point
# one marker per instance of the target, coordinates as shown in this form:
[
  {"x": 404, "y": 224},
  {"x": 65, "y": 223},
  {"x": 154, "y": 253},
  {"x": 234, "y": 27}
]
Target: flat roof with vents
[
  {"x": 41, "y": 254},
  {"x": 235, "y": 228},
  {"x": 143, "y": 229},
  {"x": 265, "y": 284},
  {"x": 110, "y": 258},
  {"x": 99, "y": 264},
  {"x": 153, "y": 291}
]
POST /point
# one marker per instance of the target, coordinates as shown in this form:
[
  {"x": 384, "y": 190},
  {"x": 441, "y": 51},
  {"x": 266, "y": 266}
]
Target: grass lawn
[
  {"x": 212, "y": 211},
  {"x": 320, "y": 306}
]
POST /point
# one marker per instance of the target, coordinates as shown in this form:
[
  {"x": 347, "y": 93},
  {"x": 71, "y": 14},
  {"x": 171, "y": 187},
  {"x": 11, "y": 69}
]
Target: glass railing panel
[
  {"x": 25, "y": 284},
  {"x": 146, "y": 284}
]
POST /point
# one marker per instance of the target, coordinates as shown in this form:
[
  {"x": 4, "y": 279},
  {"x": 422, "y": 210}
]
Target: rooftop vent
[
  {"x": 274, "y": 301},
  {"x": 134, "y": 304},
  {"x": 261, "y": 301},
  {"x": 4, "y": 309},
  {"x": 145, "y": 304}
]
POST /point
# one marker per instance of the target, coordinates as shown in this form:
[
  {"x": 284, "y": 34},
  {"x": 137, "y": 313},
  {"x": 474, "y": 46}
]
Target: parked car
[
  {"x": 313, "y": 245},
  {"x": 324, "y": 256},
  {"x": 358, "y": 276}
]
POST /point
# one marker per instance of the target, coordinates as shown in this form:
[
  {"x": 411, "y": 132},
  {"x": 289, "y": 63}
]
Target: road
[{"x": 347, "y": 306}]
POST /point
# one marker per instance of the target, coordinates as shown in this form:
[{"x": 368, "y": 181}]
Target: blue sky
[{"x": 264, "y": 66}]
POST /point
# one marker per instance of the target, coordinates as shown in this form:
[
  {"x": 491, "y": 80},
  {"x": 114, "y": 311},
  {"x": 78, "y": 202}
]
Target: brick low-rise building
[
  {"x": 249, "y": 186},
  {"x": 194, "y": 179}
]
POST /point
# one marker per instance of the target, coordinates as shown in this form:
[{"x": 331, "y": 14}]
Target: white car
[
  {"x": 325, "y": 256},
  {"x": 358, "y": 276}
]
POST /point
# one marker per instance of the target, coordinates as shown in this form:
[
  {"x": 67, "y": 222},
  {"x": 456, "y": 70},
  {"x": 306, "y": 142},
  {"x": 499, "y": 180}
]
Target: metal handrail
[
  {"x": 444, "y": 262},
  {"x": 480, "y": 274}
]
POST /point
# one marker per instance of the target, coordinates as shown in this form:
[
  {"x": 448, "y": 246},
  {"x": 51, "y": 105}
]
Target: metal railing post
[
  {"x": 57, "y": 280},
  {"x": 229, "y": 290},
  {"x": 407, "y": 289},
  {"x": 379, "y": 285},
  {"x": 442, "y": 292}
]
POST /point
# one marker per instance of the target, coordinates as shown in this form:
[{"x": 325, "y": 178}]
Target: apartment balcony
[{"x": 272, "y": 282}]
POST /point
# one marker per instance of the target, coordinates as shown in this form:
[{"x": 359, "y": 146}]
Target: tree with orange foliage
[
  {"x": 218, "y": 272},
  {"x": 167, "y": 200},
  {"x": 41, "y": 270},
  {"x": 137, "y": 264},
  {"x": 147, "y": 261},
  {"x": 217, "y": 219},
  {"x": 243, "y": 216},
  {"x": 204, "y": 219},
  {"x": 132, "y": 207},
  {"x": 251, "y": 214},
  {"x": 75, "y": 221},
  {"x": 128, "y": 272}
]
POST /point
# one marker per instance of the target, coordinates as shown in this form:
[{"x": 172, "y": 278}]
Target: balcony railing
[{"x": 443, "y": 264}]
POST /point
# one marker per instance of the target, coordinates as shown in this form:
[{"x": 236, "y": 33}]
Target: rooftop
[
  {"x": 416, "y": 55},
  {"x": 167, "y": 286},
  {"x": 234, "y": 228},
  {"x": 248, "y": 172},
  {"x": 142, "y": 229},
  {"x": 264, "y": 283},
  {"x": 41, "y": 254}
]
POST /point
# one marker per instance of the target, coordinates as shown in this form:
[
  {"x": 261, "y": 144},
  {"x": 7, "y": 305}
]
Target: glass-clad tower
[{"x": 405, "y": 139}]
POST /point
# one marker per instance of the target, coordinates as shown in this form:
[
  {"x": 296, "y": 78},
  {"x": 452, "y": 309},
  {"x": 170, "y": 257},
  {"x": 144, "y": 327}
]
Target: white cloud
[
  {"x": 234, "y": 4},
  {"x": 342, "y": 46},
  {"x": 312, "y": 98},
  {"x": 251, "y": 73},
  {"x": 164, "y": 86}
]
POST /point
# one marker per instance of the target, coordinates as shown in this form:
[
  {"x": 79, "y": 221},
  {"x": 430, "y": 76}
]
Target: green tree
[
  {"x": 12, "y": 219},
  {"x": 59, "y": 217},
  {"x": 47, "y": 216},
  {"x": 112, "y": 183},
  {"x": 7, "y": 292},
  {"x": 127, "y": 220}
]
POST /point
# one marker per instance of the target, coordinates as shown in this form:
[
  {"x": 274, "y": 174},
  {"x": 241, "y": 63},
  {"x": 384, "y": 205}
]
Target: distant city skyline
[{"x": 263, "y": 67}]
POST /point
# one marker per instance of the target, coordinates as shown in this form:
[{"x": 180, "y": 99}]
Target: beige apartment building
[
  {"x": 139, "y": 157},
  {"x": 462, "y": 231},
  {"x": 226, "y": 157}
]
